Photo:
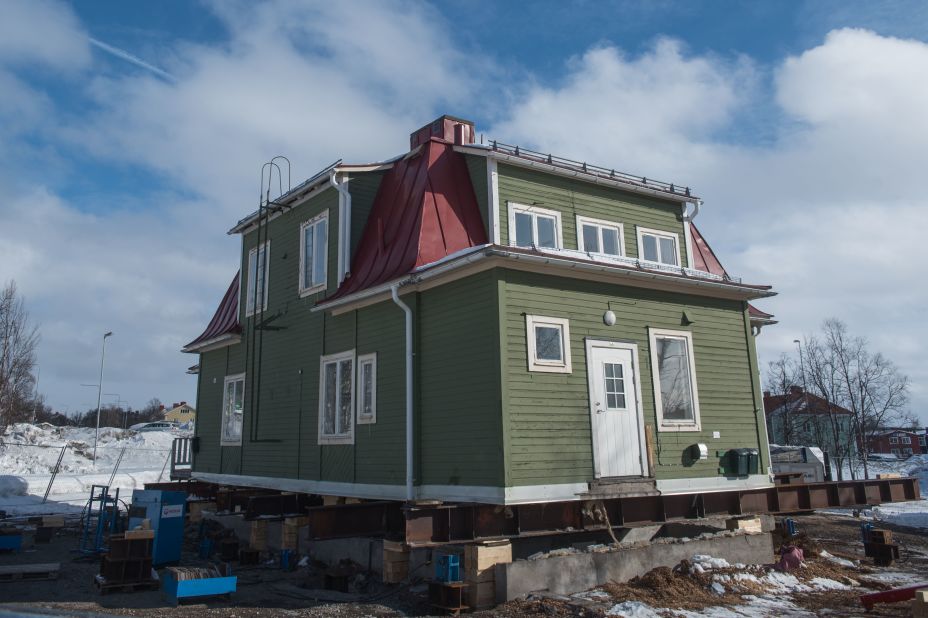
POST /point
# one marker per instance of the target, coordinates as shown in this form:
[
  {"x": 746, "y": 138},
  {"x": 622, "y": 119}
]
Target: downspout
[
  {"x": 409, "y": 393},
  {"x": 344, "y": 225},
  {"x": 688, "y": 236}
]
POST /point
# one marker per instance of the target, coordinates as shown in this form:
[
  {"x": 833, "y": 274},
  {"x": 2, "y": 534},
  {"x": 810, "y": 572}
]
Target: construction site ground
[{"x": 266, "y": 590}]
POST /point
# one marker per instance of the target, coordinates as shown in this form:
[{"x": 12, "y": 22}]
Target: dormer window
[
  {"x": 598, "y": 236},
  {"x": 530, "y": 226},
  {"x": 313, "y": 253},
  {"x": 658, "y": 246}
]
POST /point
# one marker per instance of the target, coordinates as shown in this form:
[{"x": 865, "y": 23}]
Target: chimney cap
[{"x": 444, "y": 128}]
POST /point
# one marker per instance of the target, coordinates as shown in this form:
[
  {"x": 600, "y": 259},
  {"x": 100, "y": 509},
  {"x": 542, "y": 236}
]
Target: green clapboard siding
[
  {"x": 282, "y": 364},
  {"x": 574, "y": 197},
  {"x": 477, "y": 168},
  {"x": 547, "y": 414},
  {"x": 460, "y": 421}
]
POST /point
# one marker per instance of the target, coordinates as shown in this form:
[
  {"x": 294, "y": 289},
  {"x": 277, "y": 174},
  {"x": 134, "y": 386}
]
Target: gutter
[
  {"x": 394, "y": 292},
  {"x": 344, "y": 224},
  {"x": 485, "y": 151}
]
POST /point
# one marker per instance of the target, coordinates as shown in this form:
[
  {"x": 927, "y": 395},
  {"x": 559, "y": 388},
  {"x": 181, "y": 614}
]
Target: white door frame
[{"x": 633, "y": 348}]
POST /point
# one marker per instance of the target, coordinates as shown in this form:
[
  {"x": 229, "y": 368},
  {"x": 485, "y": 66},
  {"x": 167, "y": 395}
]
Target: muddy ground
[{"x": 268, "y": 591}]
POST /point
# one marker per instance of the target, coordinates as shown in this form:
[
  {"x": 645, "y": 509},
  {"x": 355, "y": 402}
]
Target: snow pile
[
  {"x": 702, "y": 563},
  {"x": 29, "y": 453}
]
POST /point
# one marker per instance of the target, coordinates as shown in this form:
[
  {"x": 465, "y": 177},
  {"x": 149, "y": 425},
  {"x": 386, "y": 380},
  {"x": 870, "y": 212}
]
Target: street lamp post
[{"x": 96, "y": 435}]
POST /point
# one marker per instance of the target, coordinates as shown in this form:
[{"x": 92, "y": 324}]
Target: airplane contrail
[{"x": 119, "y": 53}]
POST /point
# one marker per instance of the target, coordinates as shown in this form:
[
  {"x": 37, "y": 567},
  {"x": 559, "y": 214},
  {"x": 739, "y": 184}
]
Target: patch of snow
[
  {"x": 823, "y": 583},
  {"x": 597, "y": 595},
  {"x": 707, "y": 563},
  {"x": 633, "y": 609},
  {"x": 841, "y": 561}
]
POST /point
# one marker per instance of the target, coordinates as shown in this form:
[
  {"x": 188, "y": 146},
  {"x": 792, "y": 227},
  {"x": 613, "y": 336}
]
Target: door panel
[{"x": 615, "y": 409}]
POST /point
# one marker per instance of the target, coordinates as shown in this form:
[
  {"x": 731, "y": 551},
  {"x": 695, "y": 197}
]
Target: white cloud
[{"x": 41, "y": 32}]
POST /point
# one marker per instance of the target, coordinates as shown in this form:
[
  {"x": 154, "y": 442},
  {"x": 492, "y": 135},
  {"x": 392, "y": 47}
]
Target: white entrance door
[{"x": 615, "y": 409}]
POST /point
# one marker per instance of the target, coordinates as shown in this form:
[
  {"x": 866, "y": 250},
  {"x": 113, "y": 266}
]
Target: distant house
[
  {"x": 180, "y": 413},
  {"x": 801, "y": 418},
  {"x": 899, "y": 442}
]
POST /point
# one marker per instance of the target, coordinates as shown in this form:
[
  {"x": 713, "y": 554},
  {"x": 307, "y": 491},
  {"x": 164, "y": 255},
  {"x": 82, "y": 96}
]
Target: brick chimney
[{"x": 447, "y": 128}]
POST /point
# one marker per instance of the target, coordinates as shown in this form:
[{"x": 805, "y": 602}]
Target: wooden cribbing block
[
  {"x": 481, "y": 559},
  {"x": 139, "y": 534},
  {"x": 481, "y": 595},
  {"x": 878, "y": 535},
  {"x": 395, "y": 562},
  {"x": 195, "y": 509},
  {"x": 920, "y": 604},
  {"x": 258, "y": 537},
  {"x": 749, "y": 524}
]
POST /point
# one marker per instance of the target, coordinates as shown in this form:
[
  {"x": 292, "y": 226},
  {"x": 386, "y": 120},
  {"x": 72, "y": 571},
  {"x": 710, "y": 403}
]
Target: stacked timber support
[
  {"x": 258, "y": 537},
  {"x": 290, "y": 532},
  {"x": 395, "y": 562},
  {"x": 480, "y": 562}
]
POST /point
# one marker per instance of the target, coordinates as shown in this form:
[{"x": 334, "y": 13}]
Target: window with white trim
[
  {"x": 906, "y": 440},
  {"x": 530, "y": 226},
  {"x": 907, "y": 451},
  {"x": 893, "y": 440},
  {"x": 314, "y": 253},
  {"x": 336, "y": 398},
  {"x": 659, "y": 246},
  {"x": 257, "y": 278},
  {"x": 367, "y": 389},
  {"x": 548, "y": 342},
  {"x": 233, "y": 406},
  {"x": 599, "y": 236},
  {"x": 673, "y": 371}
]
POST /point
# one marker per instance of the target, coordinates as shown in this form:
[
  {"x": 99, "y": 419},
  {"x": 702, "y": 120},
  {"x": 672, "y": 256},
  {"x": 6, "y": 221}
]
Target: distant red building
[{"x": 899, "y": 442}]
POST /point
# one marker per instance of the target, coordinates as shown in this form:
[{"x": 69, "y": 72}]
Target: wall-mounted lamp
[{"x": 609, "y": 316}]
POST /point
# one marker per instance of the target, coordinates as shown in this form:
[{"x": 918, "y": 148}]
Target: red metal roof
[
  {"x": 704, "y": 259},
  {"x": 225, "y": 320},
  {"x": 425, "y": 210}
]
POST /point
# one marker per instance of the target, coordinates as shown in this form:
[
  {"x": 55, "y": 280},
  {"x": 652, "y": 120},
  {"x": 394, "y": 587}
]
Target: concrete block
[
  {"x": 641, "y": 534},
  {"x": 582, "y": 571},
  {"x": 481, "y": 595}
]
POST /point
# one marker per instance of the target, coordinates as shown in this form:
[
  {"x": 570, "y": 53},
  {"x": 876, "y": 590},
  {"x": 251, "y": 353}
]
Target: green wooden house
[{"x": 480, "y": 323}]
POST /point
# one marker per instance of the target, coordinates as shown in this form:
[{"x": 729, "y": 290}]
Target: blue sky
[{"x": 801, "y": 124}]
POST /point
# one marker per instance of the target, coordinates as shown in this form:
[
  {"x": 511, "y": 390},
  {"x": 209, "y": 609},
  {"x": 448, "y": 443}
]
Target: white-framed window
[
  {"x": 673, "y": 370},
  {"x": 233, "y": 407},
  {"x": 258, "y": 268},
  {"x": 895, "y": 451},
  {"x": 658, "y": 246},
  {"x": 906, "y": 440},
  {"x": 922, "y": 441},
  {"x": 548, "y": 344},
  {"x": 531, "y": 226},
  {"x": 367, "y": 388},
  {"x": 907, "y": 451},
  {"x": 314, "y": 246},
  {"x": 336, "y": 398},
  {"x": 893, "y": 440},
  {"x": 599, "y": 236}
]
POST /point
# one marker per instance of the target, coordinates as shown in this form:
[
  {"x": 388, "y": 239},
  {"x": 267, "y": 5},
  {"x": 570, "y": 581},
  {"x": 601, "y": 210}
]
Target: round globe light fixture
[{"x": 609, "y": 318}]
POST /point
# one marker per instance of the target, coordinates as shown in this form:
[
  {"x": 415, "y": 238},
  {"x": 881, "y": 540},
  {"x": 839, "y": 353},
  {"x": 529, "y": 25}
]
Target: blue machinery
[
  {"x": 100, "y": 519},
  {"x": 165, "y": 512}
]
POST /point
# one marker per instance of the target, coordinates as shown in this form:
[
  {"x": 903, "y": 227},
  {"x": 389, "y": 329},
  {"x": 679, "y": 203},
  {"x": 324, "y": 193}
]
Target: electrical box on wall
[{"x": 739, "y": 462}]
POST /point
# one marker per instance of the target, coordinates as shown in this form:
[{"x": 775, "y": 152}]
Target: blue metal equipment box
[{"x": 165, "y": 512}]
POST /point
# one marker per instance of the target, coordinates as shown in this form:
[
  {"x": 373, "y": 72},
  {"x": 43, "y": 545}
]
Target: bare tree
[
  {"x": 781, "y": 381},
  {"x": 850, "y": 378},
  {"x": 18, "y": 341}
]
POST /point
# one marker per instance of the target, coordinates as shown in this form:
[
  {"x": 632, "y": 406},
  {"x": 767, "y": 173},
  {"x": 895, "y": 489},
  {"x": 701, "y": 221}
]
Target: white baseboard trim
[
  {"x": 524, "y": 494},
  {"x": 447, "y": 493},
  {"x": 669, "y": 487}
]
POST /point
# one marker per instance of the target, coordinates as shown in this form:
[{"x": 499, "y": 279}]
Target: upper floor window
[
  {"x": 906, "y": 440},
  {"x": 314, "y": 253},
  {"x": 598, "y": 236},
  {"x": 658, "y": 246},
  {"x": 673, "y": 370},
  {"x": 336, "y": 398},
  {"x": 530, "y": 226},
  {"x": 256, "y": 295},
  {"x": 233, "y": 406},
  {"x": 893, "y": 440}
]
